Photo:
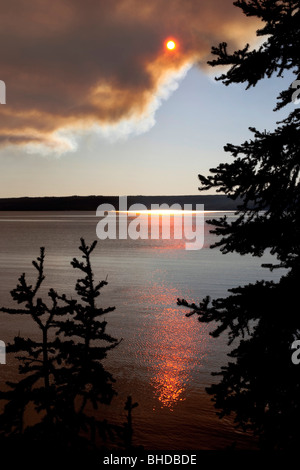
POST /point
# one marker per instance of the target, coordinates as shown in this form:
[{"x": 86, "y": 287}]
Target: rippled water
[{"x": 165, "y": 359}]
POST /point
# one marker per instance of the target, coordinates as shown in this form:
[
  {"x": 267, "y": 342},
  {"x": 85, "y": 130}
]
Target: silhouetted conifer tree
[
  {"x": 84, "y": 382},
  {"x": 52, "y": 407},
  {"x": 37, "y": 360},
  {"x": 260, "y": 385}
]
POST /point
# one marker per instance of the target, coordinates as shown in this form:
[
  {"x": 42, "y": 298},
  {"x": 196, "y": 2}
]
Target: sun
[{"x": 171, "y": 45}]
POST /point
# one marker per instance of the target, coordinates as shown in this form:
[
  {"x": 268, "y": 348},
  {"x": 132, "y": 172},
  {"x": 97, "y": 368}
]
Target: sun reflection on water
[
  {"x": 170, "y": 382},
  {"x": 175, "y": 347}
]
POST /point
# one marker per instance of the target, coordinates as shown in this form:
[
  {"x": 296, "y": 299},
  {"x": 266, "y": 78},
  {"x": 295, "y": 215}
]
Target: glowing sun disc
[{"x": 171, "y": 45}]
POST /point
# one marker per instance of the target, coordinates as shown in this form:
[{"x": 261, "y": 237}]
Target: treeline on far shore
[{"x": 90, "y": 203}]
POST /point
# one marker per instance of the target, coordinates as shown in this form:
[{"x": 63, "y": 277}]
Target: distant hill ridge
[{"x": 90, "y": 203}]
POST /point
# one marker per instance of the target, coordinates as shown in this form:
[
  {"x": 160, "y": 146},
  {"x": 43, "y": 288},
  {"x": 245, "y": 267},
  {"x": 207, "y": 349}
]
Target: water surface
[{"x": 165, "y": 359}]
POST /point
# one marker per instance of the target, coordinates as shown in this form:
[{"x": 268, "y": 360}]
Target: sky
[{"x": 96, "y": 104}]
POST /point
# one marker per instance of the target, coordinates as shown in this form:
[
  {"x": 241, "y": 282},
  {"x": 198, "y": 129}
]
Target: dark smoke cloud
[{"x": 74, "y": 64}]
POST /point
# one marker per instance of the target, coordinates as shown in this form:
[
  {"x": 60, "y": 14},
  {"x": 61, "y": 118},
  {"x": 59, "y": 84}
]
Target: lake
[{"x": 165, "y": 360}]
